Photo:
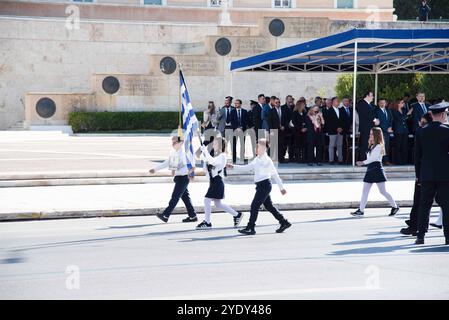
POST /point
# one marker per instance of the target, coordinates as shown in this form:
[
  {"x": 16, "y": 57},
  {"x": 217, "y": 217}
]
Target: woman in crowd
[
  {"x": 400, "y": 130},
  {"x": 210, "y": 123},
  {"x": 299, "y": 128},
  {"x": 315, "y": 136},
  {"x": 375, "y": 173}
]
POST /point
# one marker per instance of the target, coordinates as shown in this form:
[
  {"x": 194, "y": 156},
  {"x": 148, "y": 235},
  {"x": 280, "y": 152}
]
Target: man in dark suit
[
  {"x": 347, "y": 113},
  {"x": 386, "y": 124},
  {"x": 279, "y": 119},
  {"x": 431, "y": 165},
  {"x": 257, "y": 114},
  {"x": 224, "y": 116},
  {"x": 334, "y": 123},
  {"x": 367, "y": 119},
  {"x": 420, "y": 108},
  {"x": 239, "y": 121}
]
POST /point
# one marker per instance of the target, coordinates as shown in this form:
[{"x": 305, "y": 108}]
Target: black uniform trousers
[
  {"x": 180, "y": 192},
  {"x": 413, "y": 222},
  {"x": 430, "y": 191},
  {"x": 401, "y": 148},
  {"x": 363, "y": 145},
  {"x": 262, "y": 196}
]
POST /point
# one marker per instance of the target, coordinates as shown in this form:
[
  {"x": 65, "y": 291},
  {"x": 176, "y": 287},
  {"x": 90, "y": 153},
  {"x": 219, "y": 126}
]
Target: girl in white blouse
[
  {"x": 375, "y": 173},
  {"x": 214, "y": 167}
]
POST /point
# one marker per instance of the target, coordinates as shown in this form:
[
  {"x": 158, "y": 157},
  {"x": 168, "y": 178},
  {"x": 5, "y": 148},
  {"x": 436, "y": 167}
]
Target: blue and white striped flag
[{"x": 189, "y": 122}]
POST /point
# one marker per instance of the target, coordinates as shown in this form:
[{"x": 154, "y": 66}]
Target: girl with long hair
[
  {"x": 375, "y": 173},
  {"x": 214, "y": 167}
]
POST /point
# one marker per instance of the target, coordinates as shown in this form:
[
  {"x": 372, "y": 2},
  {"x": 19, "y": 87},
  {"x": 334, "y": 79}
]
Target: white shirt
[
  {"x": 375, "y": 155},
  {"x": 219, "y": 162},
  {"x": 181, "y": 163},
  {"x": 263, "y": 168}
]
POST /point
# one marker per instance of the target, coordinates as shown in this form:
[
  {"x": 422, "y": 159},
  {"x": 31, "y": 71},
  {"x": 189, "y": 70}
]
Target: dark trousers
[
  {"x": 401, "y": 148},
  {"x": 241, "y": 140},
  {"x": 180, "y": 192},
  {"x": 413, "y": 222},
  {"x": 315, "y": 141},
  {"x": 430, "y": 191},
  {"x": 386, "y": 157},
  {"x": 363, "y": 145},
  {"x": 262, "y": 196}
]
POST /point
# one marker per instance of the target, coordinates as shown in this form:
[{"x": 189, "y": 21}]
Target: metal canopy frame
[{"x": 364, "y": 51}]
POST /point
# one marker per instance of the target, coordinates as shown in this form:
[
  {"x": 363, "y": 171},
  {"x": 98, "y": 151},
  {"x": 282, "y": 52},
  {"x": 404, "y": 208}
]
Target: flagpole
[{"x": 179, "y": 103}]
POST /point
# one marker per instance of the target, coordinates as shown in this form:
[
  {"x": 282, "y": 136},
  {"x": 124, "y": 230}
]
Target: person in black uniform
[
  {"x": 412, "y": 223},
  {"x": 431, "y": 165}
]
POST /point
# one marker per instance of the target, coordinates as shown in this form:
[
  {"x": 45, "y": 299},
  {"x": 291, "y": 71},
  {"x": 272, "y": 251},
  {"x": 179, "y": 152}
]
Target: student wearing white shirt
[
  {"x": 375, "y": 172},
  {"x": 177, "y": 163},
  {"x": 264, "y": 169},
  {"x": 214, "y": 167}
]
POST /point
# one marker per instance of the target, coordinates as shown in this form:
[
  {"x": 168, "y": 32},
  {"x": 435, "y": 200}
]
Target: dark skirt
[
  {"x": 375, "y": 173},
  {"x": 216, "y": 188}
]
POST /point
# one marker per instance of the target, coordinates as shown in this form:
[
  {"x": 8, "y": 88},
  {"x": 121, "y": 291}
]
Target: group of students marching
[
  {"x": 431, "y": 160},
  {"x": 215, "y": 166}
]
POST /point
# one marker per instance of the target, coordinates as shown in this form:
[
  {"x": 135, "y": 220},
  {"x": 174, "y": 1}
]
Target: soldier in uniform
[{"x": 431, "y": 163}]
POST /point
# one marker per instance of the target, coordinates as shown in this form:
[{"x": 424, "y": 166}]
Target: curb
[{"x": 27, "y": 216}]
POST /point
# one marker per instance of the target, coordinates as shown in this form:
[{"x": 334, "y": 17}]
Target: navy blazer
[
  {"x": 385, "y": 120},
  {"x": 400, "y": 122},
  {"x": 417, "y": 114},
  {"x": 366, "y": 116},
  {"x": 243, "y": 119}
]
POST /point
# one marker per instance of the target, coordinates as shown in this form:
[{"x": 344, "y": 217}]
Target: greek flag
[{"x": 189, "y": 122}]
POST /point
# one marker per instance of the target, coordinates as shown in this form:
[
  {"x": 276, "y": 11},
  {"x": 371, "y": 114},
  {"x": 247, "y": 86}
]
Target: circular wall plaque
[
  {"x": 223, "y": 46},
  {"x": 168, "y": 65},
  {"x": 45, "y": 107},
  {"x": 110, "y": 85},
  {"x": 276, "y": 27}
]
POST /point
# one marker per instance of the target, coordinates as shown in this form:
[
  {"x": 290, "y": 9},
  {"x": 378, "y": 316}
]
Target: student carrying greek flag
[{"x": 214, "y": 167}]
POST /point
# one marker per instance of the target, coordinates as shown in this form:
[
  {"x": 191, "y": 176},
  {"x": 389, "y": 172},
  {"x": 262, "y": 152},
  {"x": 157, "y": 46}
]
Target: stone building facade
[{"x": 116, "y": 55}]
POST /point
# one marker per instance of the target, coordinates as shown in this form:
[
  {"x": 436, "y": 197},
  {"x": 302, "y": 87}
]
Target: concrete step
[{"x": 20, "y": 179}]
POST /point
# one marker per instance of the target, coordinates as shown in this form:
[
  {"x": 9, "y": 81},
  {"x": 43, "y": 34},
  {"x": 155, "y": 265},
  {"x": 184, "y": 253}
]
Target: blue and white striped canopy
[{"x": 378, "y": 51}]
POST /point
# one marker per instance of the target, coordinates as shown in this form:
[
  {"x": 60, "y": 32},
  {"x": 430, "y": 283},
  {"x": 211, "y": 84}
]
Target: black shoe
[
  {"x": 310, "y": 164},
  {"x": 204, "y": 226},
  {"x": 394, "y": 211},
  {"x": 436, "y": 225},
  {"x": 237, "y": 219},
  {"x": 190, "y": 219},
  {"x": 162, "y": 217},
  {"x": 419, "y": 240},
  {"x": 319, "y": 164},
  {"x": 408, "y": 231},
  {"x": 284, "y": 225},
  {"x": 248, "y": 231},
  {"x": 332, "y": 163},
  {"x": 357, "y": 213},
  {"x": 447, "y": 241}
]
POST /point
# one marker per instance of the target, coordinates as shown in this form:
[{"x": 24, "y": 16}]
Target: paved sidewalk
[{"x": 144, "y": 199}]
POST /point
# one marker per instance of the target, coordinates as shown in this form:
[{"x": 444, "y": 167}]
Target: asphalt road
[{"x": 325, "y": 255}]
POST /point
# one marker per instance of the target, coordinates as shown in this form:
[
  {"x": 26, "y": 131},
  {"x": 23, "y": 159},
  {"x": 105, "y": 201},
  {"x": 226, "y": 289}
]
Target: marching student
[
  {"x": 215, "y": 168},
  {"x": 264, "y": 169},
  {"x": 177, "y": 163},
  {"x": 375, "y": 172}
]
